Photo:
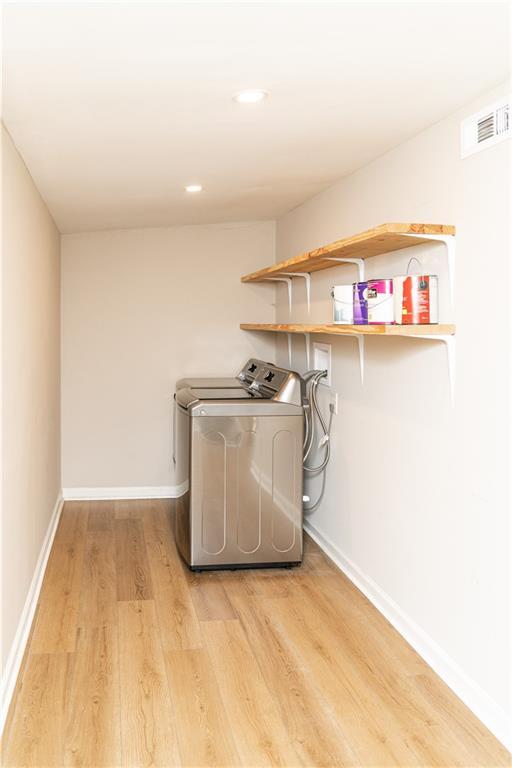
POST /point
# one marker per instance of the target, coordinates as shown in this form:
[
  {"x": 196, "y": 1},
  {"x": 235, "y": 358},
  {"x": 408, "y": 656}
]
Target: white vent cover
[{"x": 486, "y": 128}]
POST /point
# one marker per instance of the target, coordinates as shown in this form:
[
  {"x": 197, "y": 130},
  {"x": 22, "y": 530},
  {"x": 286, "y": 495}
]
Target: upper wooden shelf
[
  {"x": 442, "y": 329},
  {"x": 382, "y": 239}
]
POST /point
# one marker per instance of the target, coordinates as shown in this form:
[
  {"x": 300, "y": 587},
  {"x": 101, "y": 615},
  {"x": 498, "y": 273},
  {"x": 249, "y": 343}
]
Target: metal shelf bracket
[
  {"x": 288, "y": 281},
  {"x": 450, "y": 346},
  {"x": 359, "y": 262},
  {"x": 360, "y": 344},
  {"x": 307, "y": 277},
  {"x": 307, "y": 341}
]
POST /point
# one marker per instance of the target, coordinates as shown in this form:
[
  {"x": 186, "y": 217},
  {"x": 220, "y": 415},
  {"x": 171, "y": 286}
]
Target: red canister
[{"x": 416, "y": 299}]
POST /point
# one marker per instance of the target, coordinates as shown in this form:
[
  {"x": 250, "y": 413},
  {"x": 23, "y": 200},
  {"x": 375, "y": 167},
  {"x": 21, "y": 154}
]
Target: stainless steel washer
[{"x": 241, "y": 450}]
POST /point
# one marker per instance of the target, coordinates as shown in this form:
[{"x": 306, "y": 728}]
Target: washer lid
[
  {"x": 209, "y": 382},
  {"x": 188, "y": 395},
  {"x": 224, "y": 393}
]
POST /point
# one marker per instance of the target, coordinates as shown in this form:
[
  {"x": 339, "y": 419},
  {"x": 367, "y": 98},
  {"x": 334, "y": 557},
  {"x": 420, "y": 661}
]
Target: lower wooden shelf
[{"x": 442, "y": 329}]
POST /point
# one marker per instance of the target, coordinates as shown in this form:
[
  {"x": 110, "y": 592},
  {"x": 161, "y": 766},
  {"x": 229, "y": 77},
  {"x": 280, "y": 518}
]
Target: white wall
[
  {"x": 30, "y": 384},
  {"x": 416, "y": 500},
  {"x": 142, "y": 308}
]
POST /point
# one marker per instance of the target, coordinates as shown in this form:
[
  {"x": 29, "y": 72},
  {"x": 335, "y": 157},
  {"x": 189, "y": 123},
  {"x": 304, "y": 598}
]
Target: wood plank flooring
[{"x": 135, "y": 661}]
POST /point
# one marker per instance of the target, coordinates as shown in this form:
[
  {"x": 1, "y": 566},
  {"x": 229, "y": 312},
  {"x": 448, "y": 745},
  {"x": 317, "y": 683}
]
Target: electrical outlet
[{"x": 334, "y": 403}]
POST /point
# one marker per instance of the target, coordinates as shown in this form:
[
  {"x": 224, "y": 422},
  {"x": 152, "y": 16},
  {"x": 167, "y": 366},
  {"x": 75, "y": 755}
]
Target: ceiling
[{"x": 115, "y": 107}]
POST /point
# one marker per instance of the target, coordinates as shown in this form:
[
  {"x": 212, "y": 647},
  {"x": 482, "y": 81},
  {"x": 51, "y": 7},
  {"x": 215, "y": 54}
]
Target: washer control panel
[
  {"x": 276, "y": 383},
  {"x": 251, "y": 370}
]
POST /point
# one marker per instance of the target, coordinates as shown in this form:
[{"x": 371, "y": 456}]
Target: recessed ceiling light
[
  {"x": 250, "y": 96},
  {"x": 194, "y": 188}
]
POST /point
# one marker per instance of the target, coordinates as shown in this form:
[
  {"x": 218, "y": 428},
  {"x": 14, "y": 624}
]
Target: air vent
[{"x": 485, "y": 128}]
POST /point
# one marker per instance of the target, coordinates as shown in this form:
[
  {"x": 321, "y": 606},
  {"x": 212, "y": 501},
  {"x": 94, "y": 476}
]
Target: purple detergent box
[{"x": 360, "y": 303}]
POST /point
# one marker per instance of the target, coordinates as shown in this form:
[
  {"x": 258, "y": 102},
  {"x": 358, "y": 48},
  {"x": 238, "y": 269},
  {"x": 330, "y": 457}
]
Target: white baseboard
[
  {"x": 478, "y": 701},
  {"x": 131, "y": 492},
  {"x": 13, "y": 664}
]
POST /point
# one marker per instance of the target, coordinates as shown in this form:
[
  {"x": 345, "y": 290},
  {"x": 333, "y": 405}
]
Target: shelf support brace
[
  {"x": 360, "y": 344},
  {"x": 449, "y": 241},
  {"x": 449, "y": 342},
  {"x": 288, "y": 281},
  {"x": 307, "y": 278},
  {"x": 359, "y": 262},
  {"x": 289, "y": 335},
  {"x": 307, "y": 338}
]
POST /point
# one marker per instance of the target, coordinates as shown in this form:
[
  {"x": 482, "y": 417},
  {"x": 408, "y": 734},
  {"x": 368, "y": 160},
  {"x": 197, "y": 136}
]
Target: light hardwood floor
[{"x": 135, "y": 661}]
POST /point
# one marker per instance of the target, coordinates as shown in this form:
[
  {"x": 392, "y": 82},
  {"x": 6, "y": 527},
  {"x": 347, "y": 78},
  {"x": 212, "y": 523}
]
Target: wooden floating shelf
[
  {"x": 442, "y": 329},
  {"x": 374, "y": 242}
]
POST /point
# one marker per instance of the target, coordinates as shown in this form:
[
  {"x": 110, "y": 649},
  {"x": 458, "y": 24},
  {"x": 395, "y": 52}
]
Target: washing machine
[{"x": 240, "y": 449}]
